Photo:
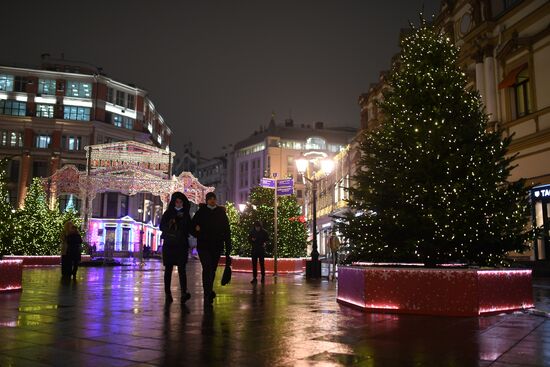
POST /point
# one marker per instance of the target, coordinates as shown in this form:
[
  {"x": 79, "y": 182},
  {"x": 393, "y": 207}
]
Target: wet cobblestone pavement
[{"x": 117, "y": 317}]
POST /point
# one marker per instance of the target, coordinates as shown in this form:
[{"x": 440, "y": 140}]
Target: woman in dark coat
[
  {"x": 211, "y": 227},
  {"x": 71, "y": 250},
  {"x": 175, "y": 226}
]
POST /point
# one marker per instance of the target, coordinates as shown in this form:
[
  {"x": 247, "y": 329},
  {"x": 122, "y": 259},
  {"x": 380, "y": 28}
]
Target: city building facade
[
  {"x": 273, "y": 152},
  {"x": 214, "y": 173},
  {"x": 49, "y": 114}
]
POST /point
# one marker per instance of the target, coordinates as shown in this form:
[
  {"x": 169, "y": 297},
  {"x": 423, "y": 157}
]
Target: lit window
[
  {"x": 44, "y": 110},
  {"x": 74, "y": 143},
  {"x": 6, "y": 82},
  {"x": 46, "y": 86},
  {"x": 128, "y": 123},
  {"x": 117, "y": 120},
  {"x": 76, "y": 113},
  {"x": 13, "y": 108},
  {"x": 42, "y": 141},
  {"x": 12, "y": 139},
  {"x": 316, "y": 144},
  {"x": 79, "y": 89}
]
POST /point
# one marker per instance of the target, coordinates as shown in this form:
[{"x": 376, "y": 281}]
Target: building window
[
  {"x": 120, "y": 98},
  {"x": 122, "y": 121},
  {"x": 316, "y": 144},
  {"x": 13, "y": 171},
  {"x": 110, "y": 95},
  {"x": 44, "y": 110},
  {"x": 11, "y": 139},
  {"x": 76, "y": 113},
  {"x": 78, "y": 89},
  {"x": 128, "y": 123},
  {"x": 500, "y": 6},
  {"x": 42, "y": 141},
  {"x": 13, "y": 108},
  {"x": 522, "y": 94},
  {"x": 6, "y": 83},
  {"x": 131, "y": 102},
  {"x": 20, "y": 84},
  {"x": 299, "y": 194},
  {"x": 39, "y": 169},
  {"x": 46, "y": 86},
  {"x": 71, "y": 143},
  {"x": 117, "y": 120}
]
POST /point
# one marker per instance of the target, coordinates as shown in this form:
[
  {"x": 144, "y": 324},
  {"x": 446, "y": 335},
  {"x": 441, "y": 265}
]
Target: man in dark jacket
[
  {"x": 175, "y": 225},
  {"x": 211, "y": 227},
  {"x": 258, "y": 237}
]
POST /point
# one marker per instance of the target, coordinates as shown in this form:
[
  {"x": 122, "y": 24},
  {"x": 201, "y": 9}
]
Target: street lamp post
[
  {"x": 141, "y": 262},
  {"x": 313, "y": 267}
]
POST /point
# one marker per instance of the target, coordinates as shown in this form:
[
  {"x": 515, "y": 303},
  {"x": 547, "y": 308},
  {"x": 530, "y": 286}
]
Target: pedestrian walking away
[
  {"x": 211, "y": 227},
  {"x": 175, "y": 225},
  {"x": 258, "y": 237},
  {"x": 71, "y": 249},
  {"x": 334, "y": 244}
]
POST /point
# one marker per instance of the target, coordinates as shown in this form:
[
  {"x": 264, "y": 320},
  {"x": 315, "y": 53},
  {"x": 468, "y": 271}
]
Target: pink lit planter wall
[
  {"x": 11, "y": 275},
  {"x": 447, "y": 292},
  {"x": 41, "y": 260},
  {"x": 284, "y": 266}
]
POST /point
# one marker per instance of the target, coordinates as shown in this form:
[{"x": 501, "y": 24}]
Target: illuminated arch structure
[{"x": 128, "y": 168}]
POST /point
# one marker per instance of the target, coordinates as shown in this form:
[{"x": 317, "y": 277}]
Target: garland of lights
[
  {"x": 433, "y": 181},
  {"x": 292, "y": 230}
]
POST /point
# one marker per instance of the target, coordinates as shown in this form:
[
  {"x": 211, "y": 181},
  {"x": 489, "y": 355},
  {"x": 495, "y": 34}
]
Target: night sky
[{"x": 217, "y": 69}]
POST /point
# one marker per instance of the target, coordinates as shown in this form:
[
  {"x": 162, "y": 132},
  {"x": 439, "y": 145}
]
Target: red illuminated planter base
[
  {"x": 447, "y": 292},
  {"x": 41, "y": 260},
  {"x": 284, "y": 266},
  {"x": 11, "y": 275}
]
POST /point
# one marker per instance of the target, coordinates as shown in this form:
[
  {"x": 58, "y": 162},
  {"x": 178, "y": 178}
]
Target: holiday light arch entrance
[{"x": 128, "y": 168}]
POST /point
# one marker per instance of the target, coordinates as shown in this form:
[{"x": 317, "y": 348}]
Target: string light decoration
[
  {"x": 292, "y": 233},
  {"x": 37, "y": 229},
  {"x": 6, "y": 214},
  {"x": 432, "y": 185}
]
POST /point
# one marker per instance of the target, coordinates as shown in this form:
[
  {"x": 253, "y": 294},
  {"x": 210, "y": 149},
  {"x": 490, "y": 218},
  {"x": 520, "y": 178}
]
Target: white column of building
[
  {"x": 490, "y": 88},
  {"x": 480, "y": 79}
]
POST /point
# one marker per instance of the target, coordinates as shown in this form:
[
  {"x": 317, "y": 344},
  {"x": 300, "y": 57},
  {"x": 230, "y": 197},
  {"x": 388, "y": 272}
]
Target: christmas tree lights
[
  {"x": 433, "y": 180},
  {"x": 292, "y": 233}
]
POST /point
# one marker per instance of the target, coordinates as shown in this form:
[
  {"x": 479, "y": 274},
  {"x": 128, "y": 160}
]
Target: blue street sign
[
  {"x": 286, "y": 182},
  {"x": 285, "y": 191},
  {"x": 267, "y": 182}
]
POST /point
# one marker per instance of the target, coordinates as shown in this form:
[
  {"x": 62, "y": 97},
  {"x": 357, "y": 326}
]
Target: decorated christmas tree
[
  {"x": 292, "y": 233},
  {"x": 238, "y": 234},
  {"x": 37, "y": 229},
  {"x": 6, "y": 215},
  {"x": 433, "y": 185}
]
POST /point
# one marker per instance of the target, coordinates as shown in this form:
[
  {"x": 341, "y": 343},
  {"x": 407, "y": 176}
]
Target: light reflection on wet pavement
[{"x": 117, "y": 317}]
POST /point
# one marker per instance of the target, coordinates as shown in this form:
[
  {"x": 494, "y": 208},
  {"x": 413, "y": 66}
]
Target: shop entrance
[{"x": 540, "y": 199}]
